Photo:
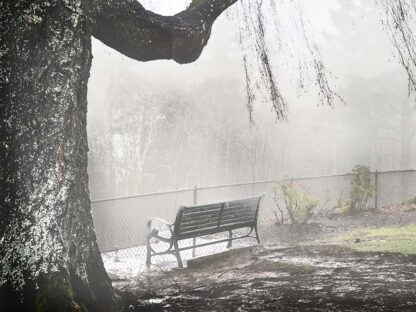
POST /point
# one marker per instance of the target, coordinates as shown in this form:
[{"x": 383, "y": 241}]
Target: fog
[{"x": 159, "y": 125}]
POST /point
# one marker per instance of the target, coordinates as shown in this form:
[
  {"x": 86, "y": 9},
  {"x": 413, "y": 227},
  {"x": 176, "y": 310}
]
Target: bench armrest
[{"x": 153, "y": 230}]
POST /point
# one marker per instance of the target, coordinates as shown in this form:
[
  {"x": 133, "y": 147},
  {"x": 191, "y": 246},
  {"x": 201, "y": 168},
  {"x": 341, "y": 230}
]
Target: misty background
[{"x": 159, "y": 125}]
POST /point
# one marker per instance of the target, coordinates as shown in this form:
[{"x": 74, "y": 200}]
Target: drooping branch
[
  {"x": 126, "y": 26},
  {"x": 254, "y": 25},
  {"x": 280, "y": 36},
  {"x": 400, "y": 23}
]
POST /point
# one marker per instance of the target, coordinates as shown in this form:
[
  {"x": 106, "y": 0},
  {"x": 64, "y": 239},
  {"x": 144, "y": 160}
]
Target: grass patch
[{"x": 386, "y": 239}]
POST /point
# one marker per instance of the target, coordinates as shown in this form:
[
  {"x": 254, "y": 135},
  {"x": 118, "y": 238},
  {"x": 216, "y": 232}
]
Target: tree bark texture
[
  {"x": 143, "y": 35},
  {"x": 49, "y": 258}
]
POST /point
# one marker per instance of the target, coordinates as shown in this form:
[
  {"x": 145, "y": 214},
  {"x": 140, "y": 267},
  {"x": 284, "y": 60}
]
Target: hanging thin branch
[
  {"x": 272, "y": 28},
  {"x": 399, "y": 20}
]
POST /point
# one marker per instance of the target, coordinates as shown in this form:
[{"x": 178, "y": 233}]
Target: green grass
[{"x": 386, "y": 239}]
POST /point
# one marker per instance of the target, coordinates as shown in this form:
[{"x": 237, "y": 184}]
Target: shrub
[
  {"x": 341, "y": 206},
  {"x": 338, "y": 206},
  {"x": 299, "y": 204},
  {"x": 361, "y": 188}
]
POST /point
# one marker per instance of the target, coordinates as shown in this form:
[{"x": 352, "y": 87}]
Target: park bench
[{"x": 202, "y": 220}]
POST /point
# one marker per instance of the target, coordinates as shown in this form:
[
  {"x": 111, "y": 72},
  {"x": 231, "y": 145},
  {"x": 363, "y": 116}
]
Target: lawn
[{"x": 384, "y": 239}]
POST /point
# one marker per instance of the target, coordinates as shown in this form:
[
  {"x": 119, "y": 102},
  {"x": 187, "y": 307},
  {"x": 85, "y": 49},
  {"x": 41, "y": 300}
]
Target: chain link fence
[{"x": 120, "y": 223}]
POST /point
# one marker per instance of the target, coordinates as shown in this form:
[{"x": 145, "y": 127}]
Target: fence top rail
[
  {"x": 198, "y": 188},
  {"x": 142, "y": 195}
]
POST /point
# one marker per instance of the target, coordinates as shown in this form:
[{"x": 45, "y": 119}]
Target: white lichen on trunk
[{"x": 44, "y": 177}]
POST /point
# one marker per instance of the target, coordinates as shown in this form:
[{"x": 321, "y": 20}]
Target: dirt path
[
  {"x": 308, "y": 278},
  {"x": 270, "y": 277}
]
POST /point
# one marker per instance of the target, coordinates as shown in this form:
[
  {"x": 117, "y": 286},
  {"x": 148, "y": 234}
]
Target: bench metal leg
[
  {"x": 149, "y": 253},
  {"x": 230, "y": 242},
  {"x": 178, "y": 255},
  {"x": 257, "y": 234}
]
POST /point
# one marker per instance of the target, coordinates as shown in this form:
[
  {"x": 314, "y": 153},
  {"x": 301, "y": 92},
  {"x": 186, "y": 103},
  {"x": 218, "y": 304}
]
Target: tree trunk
[{"x": 49, "y": 258}]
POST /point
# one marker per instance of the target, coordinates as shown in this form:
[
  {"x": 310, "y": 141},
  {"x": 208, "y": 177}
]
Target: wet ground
[
  {"x": 321, "y": 228},
  {"x": 296, "y": 276}
]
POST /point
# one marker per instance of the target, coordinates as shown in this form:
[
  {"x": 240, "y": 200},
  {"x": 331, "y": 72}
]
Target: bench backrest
[{"x": 208, "y": 219}]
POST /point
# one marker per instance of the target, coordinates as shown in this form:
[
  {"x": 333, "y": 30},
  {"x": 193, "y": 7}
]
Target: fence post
[
  {"x": 195, "y": 194},
  {"x": 195, "y": 202},
  {"x": 376, "y": 189}
]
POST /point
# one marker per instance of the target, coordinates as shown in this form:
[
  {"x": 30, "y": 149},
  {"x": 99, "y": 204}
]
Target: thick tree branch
[{"x": 143, "y": 35}]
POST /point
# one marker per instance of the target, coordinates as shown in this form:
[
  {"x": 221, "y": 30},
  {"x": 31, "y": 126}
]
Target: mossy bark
[
  {"x": 49, "y": 258},
  {"x": 58, "y": 292}
]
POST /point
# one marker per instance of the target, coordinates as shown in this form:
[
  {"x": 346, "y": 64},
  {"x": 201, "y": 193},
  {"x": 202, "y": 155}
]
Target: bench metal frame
[{"x": 174, "y": 234}]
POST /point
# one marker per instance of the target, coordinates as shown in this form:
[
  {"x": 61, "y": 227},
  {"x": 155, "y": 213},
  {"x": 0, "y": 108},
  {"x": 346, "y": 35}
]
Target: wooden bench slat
[
  {"x": 193, "y": 209},
  {"x": 236, "y": 211},
  {"x": 238, "y": 216},
  {"x": 236, "y": 220},
  {"x": 199, "y": 222},
  {"x": 223, "y": 222},
  {"x": 241, "y": 208},
  {"x": 190, "y": 212},
  {"x": 199, "y": 215},
  {"x": 190, "y": 218},
  {"x": 242, "y": 203},
  {"x": 199, "y": 232},
  {"x": 194, "y": 228},
  {"x": 231, "y": 218},
  {"x": 202, "y": 224},
  {"x": 215, "y": 230}
]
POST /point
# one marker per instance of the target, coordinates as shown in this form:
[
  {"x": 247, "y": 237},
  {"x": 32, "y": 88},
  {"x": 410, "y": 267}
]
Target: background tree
[{"x": 49, "y": 259}]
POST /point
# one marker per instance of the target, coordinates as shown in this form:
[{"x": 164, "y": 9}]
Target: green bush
[
  {"x": 299, "y": 204},
  {"x": 361, "y": 188}
]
